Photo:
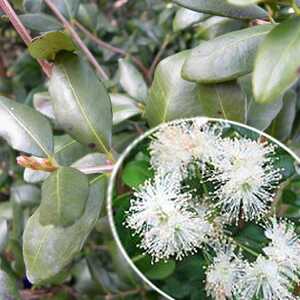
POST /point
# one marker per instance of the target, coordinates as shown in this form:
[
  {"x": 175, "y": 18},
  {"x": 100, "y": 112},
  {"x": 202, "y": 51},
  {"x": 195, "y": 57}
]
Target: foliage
[{"x": 165, "y": 60}]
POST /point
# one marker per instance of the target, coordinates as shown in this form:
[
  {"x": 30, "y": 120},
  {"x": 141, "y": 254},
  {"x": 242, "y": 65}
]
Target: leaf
[
  {"x": 33, "y": 6},
  {"x": 157, "y": 271},
  {"x": 121, "y": 140},
  {"x": 34, "y": 176},
  {"x": 227, "y": 57},
  {"x": 161, "y": 270},
  {"x": 42, "y": 103},
  {"x": 48, "y": 249},
  {"x": 40, "y": 22},
  {"x": 67, "y": 150},
  {"x": 132, "y": 81},
  {"x": 225, "y": 9},
  {"x": 283, "y": 124},
  {"x": 68, "y": 8},
  {"x": 88, "y": 15},
  {"x": 6, "y": 210},
  {"x": 25, "y": 129},
  {"x": 276, "y": 67},
  {"x": 186, "y": 18},
  {"x": 123, "y": 108},
  {"x": 64, "y": 196},
  {"x": 8, "y": 287},
  {"x": 49, "y": 44},
  {"x": 170, "y": 97},
  {"x": 25, "y": 195},
  {"x": 79, "y": 98},
  {"x": 223, "y": 100},
  {"x": 136, "y": 172},
  {"x": 216, "y": 26},
  {"x": 258, "y": 115},
  {"x": 4, "y": 232},
  {"x": 91, "y": 163},
  {"x": 244, "y": 2}
]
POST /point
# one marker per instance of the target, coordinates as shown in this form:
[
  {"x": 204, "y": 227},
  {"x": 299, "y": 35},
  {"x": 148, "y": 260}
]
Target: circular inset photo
[{"x": 208, "y": 209}]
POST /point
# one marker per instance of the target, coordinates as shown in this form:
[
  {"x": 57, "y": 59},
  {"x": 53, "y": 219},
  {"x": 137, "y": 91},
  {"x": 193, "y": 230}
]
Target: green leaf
[
  {"x": 34, "y": 176},
  {"x": 227, "y": 57},
  {"x": 3, "y": 234},
  {"x": 123, "y": 108},
  {"x": 42, "y": 103},
  {"x": 223, "y": 100},
  {"x": 8, "y": 287},
  {"x": 132, "y": 81},
  {"x": 6, "y": 210},
  {"x": 121, "y": 140},
  {"x": 244, "y": 2},
  {"x": 67, "y": 150},
  {"x": 185, "y": 18},
  {"x": 216, "y": 26},
  {"x": 161, "y": 270},
  {"x": 40, "y": 22},
  {"x": 49, "y": 44},
  {"x": 258, "y": 115},
  {"x": 88, "y": 14},
  {"x": 170, "y": 97},
  {"x": 48, "y": 249},
  {"x": 33, "y": 6},
  {"x": 25, "y": 195},
  {"x": 68, "y": 8},
  {"x": 136, "y": 172},
  {"x": 64, "y": 196},
  {"x": 91, "y": 163},
  {"x": 79, "y": 98},
  {"x": 225, "y": 9},
  {"x": 25, "y": 129},
  {"x": 276, "y": 67},
  {"x": 283, "y": 124}
]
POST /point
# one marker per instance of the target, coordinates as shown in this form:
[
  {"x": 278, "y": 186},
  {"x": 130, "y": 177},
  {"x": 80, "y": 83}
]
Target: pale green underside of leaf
[{"x": 25, "y": 129}]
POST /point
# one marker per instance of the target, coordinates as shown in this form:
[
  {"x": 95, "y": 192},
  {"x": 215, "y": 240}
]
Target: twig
[
  {"x": 159, "y": 54},
  {"x": 77, "y": 39},
  {"x": 121, "y": 295},
  {"x": 107, "y": 46},
  {"x": 24, "y": 34}
]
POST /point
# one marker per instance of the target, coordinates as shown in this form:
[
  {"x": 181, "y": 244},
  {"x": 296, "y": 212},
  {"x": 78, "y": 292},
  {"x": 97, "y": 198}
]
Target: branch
[
  {"x": 24, "y": 34},
  {"x": 77, "y": 39},
  {"x": 159, "y": 54},
  {"x": 114, "y": 49}
]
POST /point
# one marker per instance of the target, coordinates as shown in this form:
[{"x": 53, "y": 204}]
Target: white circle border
[{"x": 120, "y": 162}]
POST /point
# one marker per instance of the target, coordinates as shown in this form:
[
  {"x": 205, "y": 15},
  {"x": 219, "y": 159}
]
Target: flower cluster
[
  {"x": 238, "y": 180},
  {"x": 271, "y": 277},
  {"x": 163, "y": 215}
]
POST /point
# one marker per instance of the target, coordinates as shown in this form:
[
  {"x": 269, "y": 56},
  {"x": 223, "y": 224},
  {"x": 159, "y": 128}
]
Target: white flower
[
  {"x": 163, "y": 217},
  {"x": 264, "y": 280},
  {"x": 245, "y": 179},
  {"x": 223, "y": 275},
  {"x": 174, "y": 146},
  {"x": 284, "y": 247},
  {"x": 243, "y": 153}
]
